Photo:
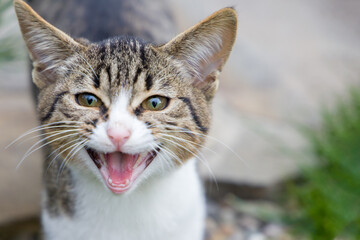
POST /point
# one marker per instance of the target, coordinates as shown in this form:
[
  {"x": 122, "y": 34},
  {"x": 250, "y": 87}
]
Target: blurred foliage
[
  {"x": 8, "y": 49},
  {"x": 326, "y": 202}
]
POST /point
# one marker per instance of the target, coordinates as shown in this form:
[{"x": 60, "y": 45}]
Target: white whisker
[
  {"x": 202, "y": 160},
  {"x": 29, "y": 153},
  {"x": 87, "y": 64},
  {"x": 42, "y": 127},
  {"x": 64, "y": 150},
  {"x": 73, "y": 152}
]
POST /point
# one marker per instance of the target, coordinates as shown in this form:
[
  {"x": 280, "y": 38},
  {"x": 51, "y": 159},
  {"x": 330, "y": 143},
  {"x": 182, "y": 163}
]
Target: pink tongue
[{"x": 120, "y": 167}]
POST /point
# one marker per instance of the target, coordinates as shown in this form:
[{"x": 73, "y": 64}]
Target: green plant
[
  {"x": 327, "y": 201},
  {"x": 8, "y": 49}
]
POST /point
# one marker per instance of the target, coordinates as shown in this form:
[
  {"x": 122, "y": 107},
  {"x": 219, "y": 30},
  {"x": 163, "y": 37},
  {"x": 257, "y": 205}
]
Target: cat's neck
[{"x": 167, "y": 204}]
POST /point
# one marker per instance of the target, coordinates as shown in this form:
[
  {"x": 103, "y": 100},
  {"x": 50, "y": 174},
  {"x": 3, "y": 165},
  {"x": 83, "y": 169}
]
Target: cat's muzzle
[{"x": 120, "y": 170}]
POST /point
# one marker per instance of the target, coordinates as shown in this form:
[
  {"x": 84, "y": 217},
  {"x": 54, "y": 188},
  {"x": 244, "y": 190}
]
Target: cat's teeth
[
  {"x": 119, "y": 185},
  {"x": 138, "y": 161},
  {"x": 126, "y": 183},
  {"x": 102, "y": 158}
]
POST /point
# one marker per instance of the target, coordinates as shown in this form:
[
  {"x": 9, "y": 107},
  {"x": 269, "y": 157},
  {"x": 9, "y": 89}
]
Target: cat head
[{"x": 121, "y": 109}]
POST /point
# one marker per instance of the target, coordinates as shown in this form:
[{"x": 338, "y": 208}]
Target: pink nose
[{"x": 118, "y": 135}]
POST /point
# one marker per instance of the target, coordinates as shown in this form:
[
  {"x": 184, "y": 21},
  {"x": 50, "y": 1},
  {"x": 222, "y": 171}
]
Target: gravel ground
[
  {"x": 233, "y": 219},
  {"x": 229, "y": 218}
]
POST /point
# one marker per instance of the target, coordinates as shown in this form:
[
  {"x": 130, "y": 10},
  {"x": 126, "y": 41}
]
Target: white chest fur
[{"x": 170, "y": 207}]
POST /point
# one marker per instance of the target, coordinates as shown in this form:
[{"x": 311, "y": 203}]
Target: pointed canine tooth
[
  {"x": 138, "y": 161},
  {"x": 110, "y": 180},
  {"x": 102, "y": 158}
]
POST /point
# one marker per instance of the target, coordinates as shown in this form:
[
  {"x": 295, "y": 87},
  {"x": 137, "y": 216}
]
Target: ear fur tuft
[
  {"x": 48, "y": 46},
  {"x": 205, "y": 47}
]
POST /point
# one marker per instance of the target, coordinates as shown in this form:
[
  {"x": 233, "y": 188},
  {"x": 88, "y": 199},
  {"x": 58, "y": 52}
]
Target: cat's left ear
[{"x": 205, "y": 47}]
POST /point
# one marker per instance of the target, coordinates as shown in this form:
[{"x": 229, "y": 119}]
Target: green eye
[
  {"x": 155, "y": 103},
  {"x": 88, "y": 100}
]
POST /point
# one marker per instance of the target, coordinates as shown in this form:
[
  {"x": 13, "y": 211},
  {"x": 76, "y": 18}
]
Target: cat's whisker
[
  {"x": 71, "y": 143},
  {"x": 52, "y": 134},
  {"x": 209, "y": 137},
  {"x": 161, "y": 158},
  {"x": 210, "y": 171},
  {"x": 29, "y": 152},
  {"x": 67, "y": 144},
  {"x": 87, "y": 73},
  {"x": 86, "y": 70},
  {"x": 89, "y": 119},
  {"x": 172, "y": 154},
  {"x": 159, "y": 73},
  {"x": 45, "y": 134},
  {"x": 67, "y": 159},
  {"x": 189, "y": 142},
  {"x": 183, "y": 130},
  {"x": 179, "y": 145},
  {"x": 87, "y": 64},
  {"x": 69, "y": 155},
  {"x": 203, "y": 161},
  {"x": 42, "y": 127},
  {"x": 164, "y": 159},
  {"x": 84, "y": 75}
]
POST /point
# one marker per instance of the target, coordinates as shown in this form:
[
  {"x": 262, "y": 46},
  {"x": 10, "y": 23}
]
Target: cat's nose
[{"x": 118, "y": 135}]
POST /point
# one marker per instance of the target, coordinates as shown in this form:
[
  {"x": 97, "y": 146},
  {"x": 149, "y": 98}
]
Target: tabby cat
[{"x": 125, "y": 120}]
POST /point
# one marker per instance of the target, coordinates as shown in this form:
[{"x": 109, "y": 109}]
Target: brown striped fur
[{"x": 185, "y": 70}]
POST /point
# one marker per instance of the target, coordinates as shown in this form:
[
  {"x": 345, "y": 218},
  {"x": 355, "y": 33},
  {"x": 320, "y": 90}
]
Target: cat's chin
[{"x": 120, "y": 170}]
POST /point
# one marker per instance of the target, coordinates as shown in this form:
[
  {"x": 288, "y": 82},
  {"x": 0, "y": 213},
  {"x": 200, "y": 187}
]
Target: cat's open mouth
[{"x": 119, "y": 170}]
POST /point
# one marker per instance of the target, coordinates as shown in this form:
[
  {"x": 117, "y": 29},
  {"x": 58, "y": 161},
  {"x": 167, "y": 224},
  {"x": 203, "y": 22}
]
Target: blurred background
[{"x": 286, "y": 128}]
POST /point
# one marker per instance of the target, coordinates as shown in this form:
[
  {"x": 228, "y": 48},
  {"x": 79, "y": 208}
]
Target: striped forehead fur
[{"x": 127, "y": 64}]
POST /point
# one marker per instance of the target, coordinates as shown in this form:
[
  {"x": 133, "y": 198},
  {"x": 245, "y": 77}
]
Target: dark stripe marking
[
  {"x": 109, "y": 74},
  {"x": 68, "y": 72},
  {"x": 148, "y": 124},
  {"x": 139, "y": 110},
  {"x": 138, "y": 72},
  {"x": 119, "y": 72},
  {"x": 165, "y": 85},
  {"x": 103, "y": 109},
  {"x": 177, "y": 115},
  {"x": 102, "y": 52},
  {"x": 94, "y": 122},
  {"x": 96, "y": 82},
  {"x": 148, "y": 82},
  {"x": 193, "y": 114},
  {"x": 52, "y": 108},
  {"x": 142, "y": 56},
  {"x": 188, "y": 132},
  {"x": 79, "y": 78},
  {"x": 66, "y": 114},
  {"x": 171, "y": 123}
]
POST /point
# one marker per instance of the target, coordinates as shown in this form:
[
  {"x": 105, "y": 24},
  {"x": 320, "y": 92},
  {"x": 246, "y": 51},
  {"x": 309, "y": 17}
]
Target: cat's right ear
[{"x": 48, "y": 46}]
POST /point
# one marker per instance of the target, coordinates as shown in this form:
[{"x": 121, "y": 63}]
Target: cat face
[{"x": 123, "y": 110}]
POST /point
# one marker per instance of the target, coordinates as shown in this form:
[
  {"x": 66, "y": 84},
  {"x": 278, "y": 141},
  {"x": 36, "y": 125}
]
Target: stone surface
[
  {"x": 229, "y": 218},
  {"x": 19, "y": 187},
  {"x": 218, "y": 227},
  {"x": 290, "y": 59}
]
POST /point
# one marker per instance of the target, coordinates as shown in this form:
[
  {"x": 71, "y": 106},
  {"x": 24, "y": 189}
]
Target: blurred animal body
[{"x": 123, "y": 119}]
